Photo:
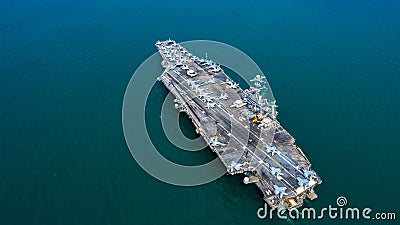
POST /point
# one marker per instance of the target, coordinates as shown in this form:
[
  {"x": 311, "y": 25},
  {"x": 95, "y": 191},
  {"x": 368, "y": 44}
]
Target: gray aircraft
[
  {"x": 215, "y": 143},
  {"x": 271, "y": 149},
  {"x": 276, "y": 171},
  {"x": 281, "y": 191},
  {"x": 303, "y": 182}
]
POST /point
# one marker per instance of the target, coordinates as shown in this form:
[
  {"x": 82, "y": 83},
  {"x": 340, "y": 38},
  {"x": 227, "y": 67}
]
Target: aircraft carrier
[{"x": 240, "y": 126}]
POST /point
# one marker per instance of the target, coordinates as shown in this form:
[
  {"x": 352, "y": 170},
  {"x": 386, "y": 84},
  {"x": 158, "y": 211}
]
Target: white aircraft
[
  {"x": 234, "y": 85},
  {"x": 215, "y": 143},
  {"x": 249, "y": 114},
  {"x": 211, "y": 105},
  {"x": 281, "y": 191},
  {"x": 238, "y": 103},
  {"x": 236, "y": 166},
  {"x": 303, "y": 182},
  {"x": 271, "y": 149},
  {"x": 309, "y": 173},
  {"x": 223, "y": 96},
  {"x": 276, "y": 171},
  {"x": 231, "y": 83}
]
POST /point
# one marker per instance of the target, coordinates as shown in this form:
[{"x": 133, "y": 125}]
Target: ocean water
[{"x": 334, "y": 67}]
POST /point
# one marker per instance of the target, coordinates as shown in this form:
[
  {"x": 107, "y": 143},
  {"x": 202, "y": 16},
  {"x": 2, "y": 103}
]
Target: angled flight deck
[{"x": 240, "y": 126}]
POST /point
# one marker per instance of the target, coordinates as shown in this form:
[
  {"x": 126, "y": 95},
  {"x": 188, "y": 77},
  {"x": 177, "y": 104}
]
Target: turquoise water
[{"x": 333, "y": 66}]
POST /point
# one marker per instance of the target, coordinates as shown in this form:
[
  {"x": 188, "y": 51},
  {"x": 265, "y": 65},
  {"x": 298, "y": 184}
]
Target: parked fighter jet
[
  {"x": 281, "y": 191},
  {"x": 271, "y": 149},
  {"x": 215, "y": 143}
]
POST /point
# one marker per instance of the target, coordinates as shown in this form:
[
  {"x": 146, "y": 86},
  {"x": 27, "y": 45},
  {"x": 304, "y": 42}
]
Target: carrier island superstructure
[{"x": 240, "y": 126}]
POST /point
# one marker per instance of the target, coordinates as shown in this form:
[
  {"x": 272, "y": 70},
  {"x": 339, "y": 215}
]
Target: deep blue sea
[{"x": 334, "y": 68}]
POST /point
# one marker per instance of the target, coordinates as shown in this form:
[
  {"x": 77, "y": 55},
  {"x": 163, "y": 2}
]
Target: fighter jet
[
  {"x": 276, "y": 171},
  {"x": 231, "y": 83},
  {"x": 211, "y": 105},
  {"x": 227, "y": 81},
  {"x": 209, "y": 99},
  {"x": 271, "y": 149},
  {"x": 281, "y": 191},
  {"x": 303, "y": 182},
  {"x": 234, "y": 85},
  {"x": 223, "y": 96},
  {"x": 236, "y": 166},
  {"x": 215, "y": 143},
  {"x": 309, "y": 173}
]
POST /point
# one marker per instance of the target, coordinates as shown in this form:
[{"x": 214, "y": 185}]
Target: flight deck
[{"x": 240, "y": 126}]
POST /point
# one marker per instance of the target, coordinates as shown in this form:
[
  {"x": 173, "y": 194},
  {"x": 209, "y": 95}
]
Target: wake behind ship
[{"x": 240, "y": 126}]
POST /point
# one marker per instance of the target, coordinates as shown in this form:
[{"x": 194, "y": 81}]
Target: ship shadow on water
[{"x": 156, "y": 133}]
